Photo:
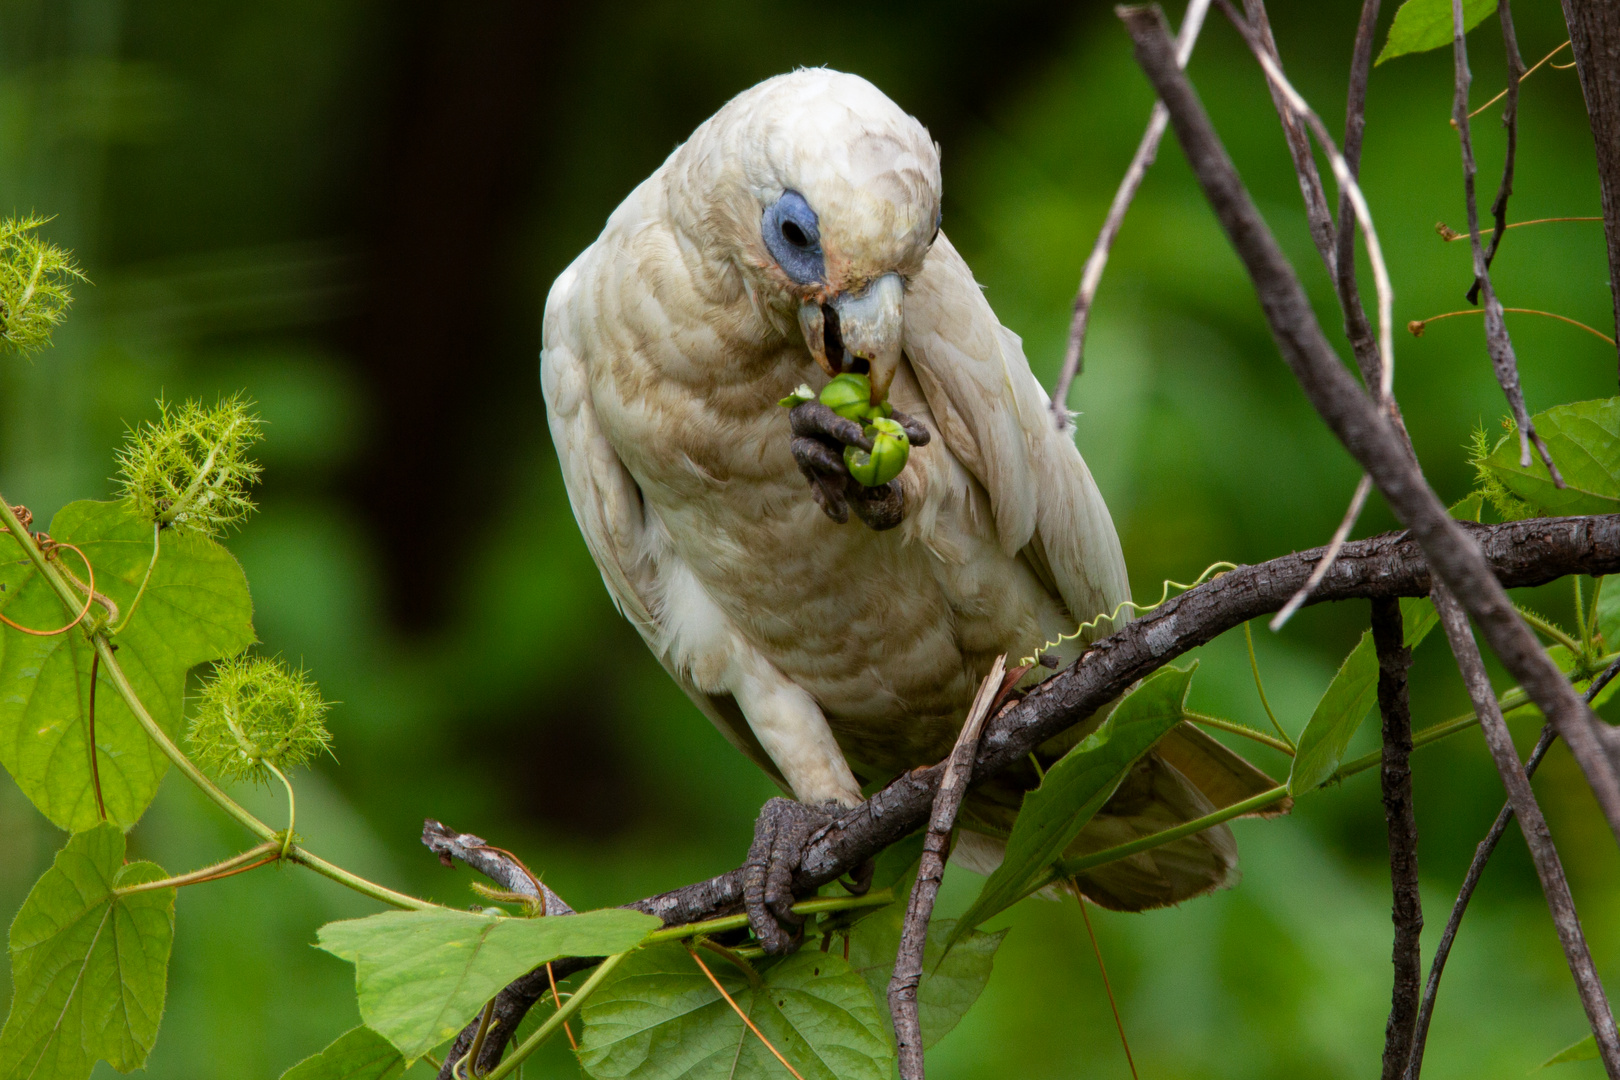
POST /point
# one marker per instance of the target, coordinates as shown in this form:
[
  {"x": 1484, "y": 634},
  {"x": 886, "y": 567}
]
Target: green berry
[
  {"x": 890, "y": 449},
  {"x": 850, "y": 396}
]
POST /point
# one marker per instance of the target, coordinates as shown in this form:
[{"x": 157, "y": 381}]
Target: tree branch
[
  {"x": 1510, "y": 120},
  {"x": 1482, "y": 855},
  {"x": 1594, "y": 35},
  {"x": 1520, "y": 553},
  {"x": 1097, "y": 261},
  {"x": 1370, "y": 436},
  {"x": 1497, "y": 342},
  {"x": 1395, "y": 782},
  {"x": 908, "y": 959},
  {"x": 1365, "y": 431}
]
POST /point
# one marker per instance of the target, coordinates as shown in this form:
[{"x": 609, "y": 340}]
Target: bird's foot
[
  {"x": 819, "y": 438},
  {"x": 782, "y": 832}
]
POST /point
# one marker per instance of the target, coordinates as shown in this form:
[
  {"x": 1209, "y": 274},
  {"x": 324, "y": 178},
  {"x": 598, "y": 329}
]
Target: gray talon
[{"x": 781, "y": 834}]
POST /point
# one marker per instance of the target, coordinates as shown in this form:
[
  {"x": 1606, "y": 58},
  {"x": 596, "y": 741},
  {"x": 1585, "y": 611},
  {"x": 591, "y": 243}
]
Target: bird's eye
[{"x": 792, "y": 234}]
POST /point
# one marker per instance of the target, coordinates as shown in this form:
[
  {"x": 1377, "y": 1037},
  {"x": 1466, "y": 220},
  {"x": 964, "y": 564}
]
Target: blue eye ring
[{"x": 792, "y": 234}]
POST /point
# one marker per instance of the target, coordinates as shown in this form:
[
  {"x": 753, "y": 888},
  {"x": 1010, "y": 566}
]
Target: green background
[{"x": 352, "y": 209}]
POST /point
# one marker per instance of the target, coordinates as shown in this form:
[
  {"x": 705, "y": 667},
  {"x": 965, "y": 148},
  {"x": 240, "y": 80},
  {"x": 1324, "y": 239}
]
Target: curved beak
[{"x": 859, "y": 332}]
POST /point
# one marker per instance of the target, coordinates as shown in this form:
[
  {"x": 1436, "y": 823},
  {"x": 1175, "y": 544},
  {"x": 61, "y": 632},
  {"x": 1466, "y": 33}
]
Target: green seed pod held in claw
[
  {"x": 850, "y": 396},
  {"x": 890, "y": 450}
]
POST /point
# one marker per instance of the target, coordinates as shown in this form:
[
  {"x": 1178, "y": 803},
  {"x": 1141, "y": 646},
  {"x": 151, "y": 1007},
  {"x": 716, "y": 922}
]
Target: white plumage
[{"x": 831, "y": 653}]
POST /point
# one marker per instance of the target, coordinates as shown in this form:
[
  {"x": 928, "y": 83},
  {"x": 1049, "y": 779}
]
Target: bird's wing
[
  {"x": 996, "y": 420},
  {"x": 993, "y": 416},
  {"x": 608, "y": 505}
]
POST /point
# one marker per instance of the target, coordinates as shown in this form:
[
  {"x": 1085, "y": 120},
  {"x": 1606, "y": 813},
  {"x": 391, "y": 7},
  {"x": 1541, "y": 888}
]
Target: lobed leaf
[
  {"x": 1075, "y": 789},
  {"x": 1421, "y": 25},
  {"x": 1340, "y": 712},
  {"x": 660, "y": 1018},
  {"x": 89, "y": 967},
  {"x": 1584, "y": 440},
  {"x": 358, "y": 1054},
  {"x": 421, "y": 975},
  {"x": 196, "y": 608}
]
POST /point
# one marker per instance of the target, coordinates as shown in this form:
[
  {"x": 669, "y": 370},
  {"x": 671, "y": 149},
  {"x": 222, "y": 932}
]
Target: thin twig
[
  {"x": 1108, "y": 986},
  {"x": 908, "y": 960},
  {"x": 1372, "y": 437},
  {"x": 738, "y": 1010},
  {"x": 1378, "y": 368},
  {"x": 1482, "y": 855},
  {"x": 1091, "y": 276},
  {"x": 1513, "y": 83},
  {"x": 1537, "y": 837},
  {"x": 1417, "y": 326},
  {"x": 1497, "y": 341},
  {"x": 1395, "y": 783},
  {"x": 1358, "y": 500},
  {"x": 1318, "y": 218},
  {"x": 1594, "y": 36},
  {"x": 497, "y": 864},
  {"x": 1510, "y": 120},
  {"x": 1343, "y": 264},
  {"x": 1448, "y": 234}
]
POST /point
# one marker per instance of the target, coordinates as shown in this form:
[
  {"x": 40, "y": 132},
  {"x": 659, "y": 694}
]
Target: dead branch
[
  {"x": 1521, "y": 554},
  {"x": 1497, "y": 342},
  {"x": 1395, "y": 783},
  {"x": 1482, "y": 855},
  {"x": 1097, "y": 261},
  {"x": 1594, "y": 34},
  {"x": 908, "y": 959},
  {"x": 1368, "y": 434}
]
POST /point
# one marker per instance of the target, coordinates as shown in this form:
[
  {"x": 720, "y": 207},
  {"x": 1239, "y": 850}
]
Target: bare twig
[
  {"x": 1594, "y": 33},
  {"x": 1091, "y": 276},
  {"x": 1317, "y": 215},
  {"x": 1497, "y": 341},
  {"x": 1373, "y": 439},
  {"x": 1357, "y": 501},
  {"x": 1395, "y": 782},
  {"x": 1520, "y": 553},
  {"x": 1535, "y": 67},
  {"x": 1537, "y": 837},
  {"x": 497, "y": 864},
  {"x": 1510, "y": 120},
  {"x": 1378, "y": 368},
  {"x": 1343, "y": 265},
  {"x": 908, "y": 961},
  {"x": 1482, "y": 855}
]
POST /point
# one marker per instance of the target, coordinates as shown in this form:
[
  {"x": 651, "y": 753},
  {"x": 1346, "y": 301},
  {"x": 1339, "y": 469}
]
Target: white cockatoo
[{"x": 796, "y": 235}]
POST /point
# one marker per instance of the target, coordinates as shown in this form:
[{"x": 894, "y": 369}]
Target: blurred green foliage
[{"x": 351, "y": 210}]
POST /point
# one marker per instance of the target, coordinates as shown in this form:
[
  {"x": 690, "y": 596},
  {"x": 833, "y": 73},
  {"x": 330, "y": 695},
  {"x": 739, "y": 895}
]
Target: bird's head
[{"x": 827, "y": 195}]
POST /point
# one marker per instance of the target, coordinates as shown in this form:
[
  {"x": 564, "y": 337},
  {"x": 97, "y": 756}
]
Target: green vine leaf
[
  {"x": 1584, "y": 441},
  {"x": 196, "y": 608},
  {"x": 1343, "y": 706},
  {"x": 358, "y": 1054},
  {"x": 1421, "y": 25},
  {"x": 660, "y": 1018},
  {"x": 89, "y": 968},
  {"x": 421, "y": 975},
  {"x": 1075, "y": 789}
]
